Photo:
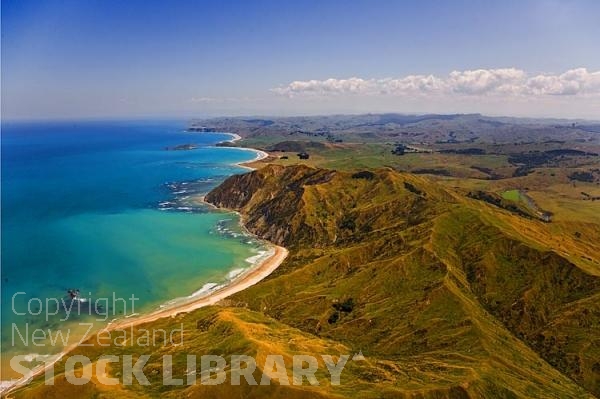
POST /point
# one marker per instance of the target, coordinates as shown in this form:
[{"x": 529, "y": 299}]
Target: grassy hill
[{"x": 445, "y": 295}]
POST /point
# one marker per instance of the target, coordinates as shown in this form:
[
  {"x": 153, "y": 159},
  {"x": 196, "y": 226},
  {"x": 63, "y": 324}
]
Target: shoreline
[
  {"x": 246, "y": 279},
  {"x": 260, "y": 154}
]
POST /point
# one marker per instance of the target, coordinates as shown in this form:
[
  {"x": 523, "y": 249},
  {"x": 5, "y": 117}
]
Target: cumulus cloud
[
  {"x": 482, "y": 81},
  {"x": 572, "y": 82},
  {"x": 341, "y": 86},
  {"x": 411, "y": 84},
  {"x": 479, "y": 82}
]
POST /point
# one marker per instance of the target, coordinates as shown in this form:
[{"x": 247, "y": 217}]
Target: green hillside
[{"x": 446, "y": 296}]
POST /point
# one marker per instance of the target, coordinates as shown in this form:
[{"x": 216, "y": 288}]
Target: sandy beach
[
  {"x": 260, "y": 154},
  {"x": 246, "y": 279}
]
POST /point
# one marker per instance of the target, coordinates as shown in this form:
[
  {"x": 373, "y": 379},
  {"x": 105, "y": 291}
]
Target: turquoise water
[{"x": 104, "y": 208}]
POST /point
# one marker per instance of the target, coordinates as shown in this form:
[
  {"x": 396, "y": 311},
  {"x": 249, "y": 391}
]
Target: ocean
[{"x": 107, "y": 209}]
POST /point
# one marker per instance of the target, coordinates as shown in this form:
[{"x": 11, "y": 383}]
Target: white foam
[
  {"x": 254, "y": 259},
  {"x": 234, "y": 137},
  {"x": 206, "y": 288},
  {"x": 234, "y": 273}
]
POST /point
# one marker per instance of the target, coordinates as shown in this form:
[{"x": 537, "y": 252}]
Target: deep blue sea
[{"x": 104, "y": 208}]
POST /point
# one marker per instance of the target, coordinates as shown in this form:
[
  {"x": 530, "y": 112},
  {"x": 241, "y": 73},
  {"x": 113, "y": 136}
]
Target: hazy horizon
[{"x": 189, "y": 118}]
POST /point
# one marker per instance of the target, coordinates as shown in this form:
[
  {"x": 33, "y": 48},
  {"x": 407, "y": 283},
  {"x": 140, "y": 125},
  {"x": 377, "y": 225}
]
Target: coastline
[
  {"x": 244, "y": 280},
  {"x": 260, "y": 154},
  {"x": 247, "y": 278}
]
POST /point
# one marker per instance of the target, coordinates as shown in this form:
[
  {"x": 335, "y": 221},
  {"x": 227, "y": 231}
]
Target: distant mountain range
[{"x": 423, "y": 129}]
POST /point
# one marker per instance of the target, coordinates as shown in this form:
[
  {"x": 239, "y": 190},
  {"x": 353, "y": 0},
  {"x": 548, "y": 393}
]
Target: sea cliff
[{"x": 444, "y": 295}]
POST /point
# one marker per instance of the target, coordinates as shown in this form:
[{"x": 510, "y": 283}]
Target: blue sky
[{"x": 73, "y": 59}]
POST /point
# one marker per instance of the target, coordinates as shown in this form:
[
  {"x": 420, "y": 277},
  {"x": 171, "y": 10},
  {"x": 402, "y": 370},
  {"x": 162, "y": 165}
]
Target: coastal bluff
[
  {"x": 466, "y": 276},
  {"x": 443, "y": 295}
]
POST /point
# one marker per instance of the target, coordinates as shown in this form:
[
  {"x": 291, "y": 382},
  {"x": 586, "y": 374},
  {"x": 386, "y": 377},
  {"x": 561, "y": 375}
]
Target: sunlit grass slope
[{"x": 446, "y": 296}]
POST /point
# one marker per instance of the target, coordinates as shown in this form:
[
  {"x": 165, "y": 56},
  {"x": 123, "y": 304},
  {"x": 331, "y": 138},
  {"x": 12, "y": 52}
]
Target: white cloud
[
  {"x": 329, "y": 86},
  {"x": 479, "y": 82},
  {"x": 482, "y": 81},
  {"x": 412, "y": 84},
  {"x": 572, "y": 82}
]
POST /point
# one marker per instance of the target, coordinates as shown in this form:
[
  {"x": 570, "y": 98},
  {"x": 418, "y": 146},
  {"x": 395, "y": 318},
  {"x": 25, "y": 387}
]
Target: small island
[{"x": 182, "y": 147}]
